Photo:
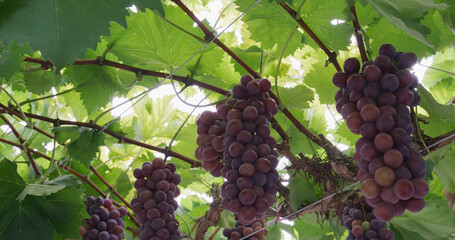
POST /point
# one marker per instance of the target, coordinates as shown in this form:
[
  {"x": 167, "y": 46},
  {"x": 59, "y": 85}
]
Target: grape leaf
[
  {"x": 296, "y": 97},
  {"x": 39, "y": 190},
  {"x": 309, "y": 227},
  {"x": 442, "y": 117},
  {"x": 321, "y": 81},
  {"x": 12, "y": 184},
  {"x": 441, "y": 61},
  {"x": 404, "y": 16},
  {"x": 444, "y": 90},
  {"x": 65, "y": 133},
  {"x": 444, "y": 165},
  {"x": 39, "y": 82},
  {"x": 318, "y": 15},
  {"x": 11, "y": 59},
  {"x": 62, "y": 30},
  {"x": 150, "y": 40},
  {"x": 300, "y": 191},
  {"x": 85, "y": 147},
  {"x": 433, "y": 222},
  {"x": 270, "y": 25},
  {"x": 448, "y": 15}
]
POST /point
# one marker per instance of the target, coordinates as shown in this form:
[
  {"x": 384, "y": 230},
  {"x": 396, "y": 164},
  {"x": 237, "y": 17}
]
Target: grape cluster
[
  {"x": 235, "y": 142},
  {"x": 106, "y": 221},
  {"x": 154, "y": 206},
  {"x": 375, "y": 105},
  {"x": 241, "y": 231},
  {"x": 364, "y": 226}
]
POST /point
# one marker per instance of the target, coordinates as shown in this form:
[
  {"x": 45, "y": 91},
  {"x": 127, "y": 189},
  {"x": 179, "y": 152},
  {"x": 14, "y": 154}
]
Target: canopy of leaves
[{"x": 107, "y": 85}]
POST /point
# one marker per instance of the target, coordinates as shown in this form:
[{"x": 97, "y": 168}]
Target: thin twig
[{"x": 358, "y": 35}]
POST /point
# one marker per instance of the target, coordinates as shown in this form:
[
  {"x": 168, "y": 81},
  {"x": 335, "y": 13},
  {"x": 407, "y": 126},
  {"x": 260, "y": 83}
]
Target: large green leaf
[
  {"x": 301, "y": 191},
  {"x": 39, "y": 82},
  {"x": 448, "y": 15},
  {"x": 434, "y": 222},
  {"x": 443, "y": 90},
  {"x": 150, "y": 40},
  {"x": 443, "y": 64},
  {"x": 297, "y": 97},
  {"x": 444, "y": 165},
  {"x": 270, "y": 25},
  {"x": 62, "y": 30}
]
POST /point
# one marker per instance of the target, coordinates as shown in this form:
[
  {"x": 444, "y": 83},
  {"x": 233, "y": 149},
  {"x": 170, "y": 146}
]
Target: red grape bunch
[
  {"x": 241, "y": 231},
  {"x": 374, "y": 103},
  {"x": 106, "y": 221},
  {"x": 242, "y": 150},
  {"x": 364, "y": 225},
  {"x": 154, "y": 206}
]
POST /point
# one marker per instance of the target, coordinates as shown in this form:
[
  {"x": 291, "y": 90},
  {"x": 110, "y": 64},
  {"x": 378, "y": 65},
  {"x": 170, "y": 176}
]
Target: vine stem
[
  {"x": 120, "y": 138},
  {"x": 332, "y": 55},
  {"x": 72, "y": 171},
  {"x": 109, "y": 186},
  {"x": 358, "y": 35},
  {"x": 22, "y": 141}
]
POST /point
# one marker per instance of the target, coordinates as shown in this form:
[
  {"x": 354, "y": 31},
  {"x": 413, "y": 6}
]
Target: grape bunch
[
  {"x": 210, "y": 138},
  {"x": 235, "y": 142},
  {"x": 364, "y": 225},
  {"x": 106, "y": 221},
  {"x": 154, "y": 206},
  {"x": 241, "y": 231},
  {"x": 374, "y": 103}
]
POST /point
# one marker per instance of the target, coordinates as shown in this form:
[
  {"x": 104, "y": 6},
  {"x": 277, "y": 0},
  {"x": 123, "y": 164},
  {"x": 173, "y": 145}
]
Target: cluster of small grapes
[
  {"x": 241, "y": 231},
  {"x": 364, "y": 226},
  {"x": 106, "y": 221},
  {"x": 375, "y": 104},
  {"x": 154, "y": 206},
  {"x": 235, "y": 142},
  {"x": 451, "y": 199}
]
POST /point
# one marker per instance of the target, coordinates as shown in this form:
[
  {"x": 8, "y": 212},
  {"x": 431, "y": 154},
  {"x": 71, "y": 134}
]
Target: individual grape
[
  {"x": 368, "y": 130},
  {"x": 357, "y": 230},
  {"x": 383, "y": 142},
  {"x": 339, "y": 79},
  {"x": 385, "y": 123},
  {"x": 388, "y": 110},
  {"x": 386, "y": 99},
  {"x": 340, "y": 103},
  {"x": 407, "y": 60},
  {"x": 383, "y": 62},
  {"x": 403, "y": 189},
  {"x": 236, "y": 149},
  {"x": 239, "y": 91},
  {"x": 245, "y": 79},
  {"x": 384, "y": 211},
  {"x": 370, "y": 188},
  {"x": 404, "y": 96},
  {"x": 388, "y": 195},
  {"x": 372, "y": 90},
  {"x": 375, "y": 164},
  {"x": 250, "y": 113},
  {"x": 351, "y": 66},
  {"x": 355, "y": 82},
  {"x": 393, "y": 158},
  {"x": 416, "y": 100},
  {"x": 253, "y": 87},
  {"x": 247, "y": 196},
  {"x": 405, "y": 77},
  {"x": 354, "y": 122},
  {"x": 415, "y": 204},
  {"x": 369, "y": 152},
  {"x": 384, "y": 176},
  {"x": 372, "y": 73},
  {"x": 388, "y": 50},
  {"x": 265, "y": 85},
  {"x": 369, "y": 113},
  {"x": 416, "y": 165},
  {"x": 421, "y": 188}
]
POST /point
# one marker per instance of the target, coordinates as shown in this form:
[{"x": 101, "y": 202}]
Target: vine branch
[
  {"x": 332, "y": 55},
  {"x": 22, "y": 141},
  {"x": 119, "y": 137},
  {"x": 358, "y": 35}
]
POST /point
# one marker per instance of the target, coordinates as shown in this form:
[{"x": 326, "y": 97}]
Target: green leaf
[
  {"x": 448, "y": 15},
  {"x": 270, "y": 25},
  {"x": 318, "y": 15},
  {"x": 12, "y": 184},
  {"x": 444, "y": 165},
  {"x": 309, "y": 227},
  {"x": 404, "y": 15},
  {"x": 64, "y": 180},
  {"x": 433, "y": 222},
  {"x": 65, "y": 133},
  {"x": 300, "y": 191},
  {"x": 39, "y": 82},
  {"x": 320, "y": 78},
  {"x": 296, "y": 97},
  {"x": 11, "y": 58},
  {"x": 85, "y": 147},
  {"x": 443, "y": 90},
  {"x": 442, "y": 117},
  {"x": 275, "y": 231},
  {"x": 150, "y": 40},
  {"x": 62, "y": 30},
  {"x": 443, "y": 64},
  {"x": 39, "y": 190}
]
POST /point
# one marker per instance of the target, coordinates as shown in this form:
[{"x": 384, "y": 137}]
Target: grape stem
[
  {"x": 358, "y": 35},
  {"x": 22, "y": 141}
]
